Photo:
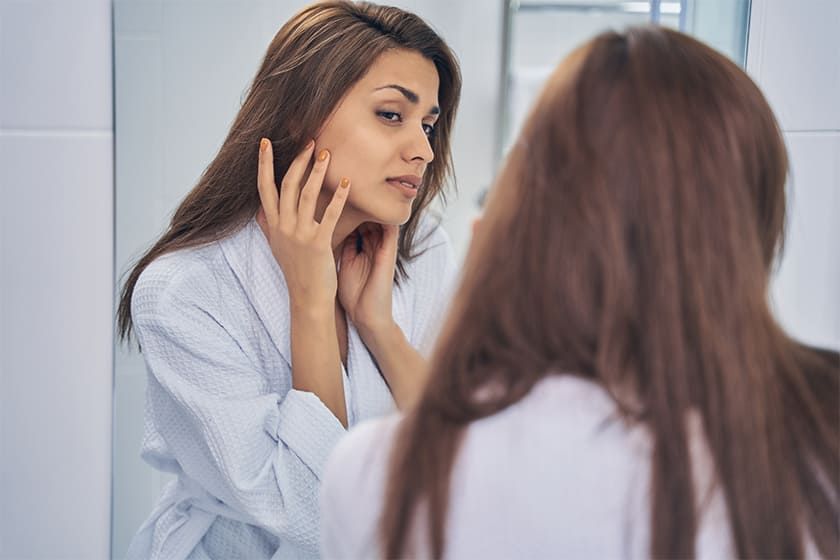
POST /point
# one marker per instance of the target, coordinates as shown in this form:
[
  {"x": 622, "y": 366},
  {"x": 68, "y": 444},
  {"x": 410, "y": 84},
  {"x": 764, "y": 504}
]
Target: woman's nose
[{"x": 419, "y": 147}]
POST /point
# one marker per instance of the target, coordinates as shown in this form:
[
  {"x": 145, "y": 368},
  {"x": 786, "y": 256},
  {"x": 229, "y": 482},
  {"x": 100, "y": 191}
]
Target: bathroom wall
[
  {"x": 57, "y": 236},
  {"x": 794, "y": 55},
  {"x": 56, "y": 278}
]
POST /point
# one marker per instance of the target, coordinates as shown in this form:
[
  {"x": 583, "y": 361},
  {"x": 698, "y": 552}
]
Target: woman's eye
[
  {"x": 394, "y": 117},
  {"x": 390, "y": 116}
]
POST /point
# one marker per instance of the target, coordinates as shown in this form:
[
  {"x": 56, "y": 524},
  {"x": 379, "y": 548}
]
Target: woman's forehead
[{"x": 408, "y": 70}]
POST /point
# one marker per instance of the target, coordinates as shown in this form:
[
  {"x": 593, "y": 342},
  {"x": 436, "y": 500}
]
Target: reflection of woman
[
  {"x": 259, "y": 352},
  {"x": 631, "y": 394}
]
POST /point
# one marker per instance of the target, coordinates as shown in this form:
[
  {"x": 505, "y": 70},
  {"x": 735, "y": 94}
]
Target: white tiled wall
[
  {"x": 56, "y": 267},
  {"x": 794, "y": 55},
  {"x": 54, "y": 57}
]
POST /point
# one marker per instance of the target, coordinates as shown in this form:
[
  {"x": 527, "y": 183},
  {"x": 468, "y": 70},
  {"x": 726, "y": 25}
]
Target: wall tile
[
  {"x": 795, "y": 58},
  {"x": 134, "y": 496},
  {"x": 133, "y": 18},
  {"x": 55, "y": 61},
  {"x": 805, "y": 289},
  {"x": 55, "y": 392}
]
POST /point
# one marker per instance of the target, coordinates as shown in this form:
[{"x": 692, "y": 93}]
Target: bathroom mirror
[{"x": 181, "y": 68}]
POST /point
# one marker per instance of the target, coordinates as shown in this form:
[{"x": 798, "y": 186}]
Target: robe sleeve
[{"x": 259, "y": 453}]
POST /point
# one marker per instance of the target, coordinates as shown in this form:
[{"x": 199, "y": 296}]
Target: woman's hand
[
  {"x": 366, "y": 277},
  {"x": 303, "y": 249},
  {"x": 301, "y": 245},
  {"x": 365, "y": 287}
]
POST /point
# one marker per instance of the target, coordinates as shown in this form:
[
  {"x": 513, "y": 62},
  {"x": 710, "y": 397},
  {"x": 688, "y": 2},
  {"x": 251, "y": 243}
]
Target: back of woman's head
[
  {"x": 312, "y": 62},
  {"x": 629, "y": 240}
]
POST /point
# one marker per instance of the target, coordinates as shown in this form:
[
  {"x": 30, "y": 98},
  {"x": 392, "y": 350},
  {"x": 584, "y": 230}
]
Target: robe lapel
[{"x": 249, "y": 256}]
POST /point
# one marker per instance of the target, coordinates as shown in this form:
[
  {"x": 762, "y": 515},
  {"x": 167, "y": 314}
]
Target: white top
[
  {"x": 247, "y": 450},
  {"x": 556, "y": 475}
]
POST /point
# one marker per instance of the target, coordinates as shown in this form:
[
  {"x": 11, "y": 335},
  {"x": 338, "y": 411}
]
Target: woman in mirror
[
  {"x": 610, "y": 381},
  {"x": 298, "y": 282}
]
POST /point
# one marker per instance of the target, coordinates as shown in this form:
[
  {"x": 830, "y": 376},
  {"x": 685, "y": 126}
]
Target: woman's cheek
[{"x": 337, "y": 170}]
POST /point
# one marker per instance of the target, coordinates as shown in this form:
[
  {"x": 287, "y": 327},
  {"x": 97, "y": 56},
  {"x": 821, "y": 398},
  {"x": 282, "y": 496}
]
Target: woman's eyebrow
[{"x": 410, "y": 95}]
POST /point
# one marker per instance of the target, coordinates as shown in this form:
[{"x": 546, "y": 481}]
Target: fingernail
[
  {"x": 345, "y": 182},
  {"x": 323, "y": 155},
  {"x": 263, "y": 144},
  {"x": 310, "y": 144}
]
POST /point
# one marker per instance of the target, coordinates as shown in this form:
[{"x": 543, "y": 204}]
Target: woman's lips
[
  {"x": 408, "y": 184},
  {"x": 407, "y": 189}
]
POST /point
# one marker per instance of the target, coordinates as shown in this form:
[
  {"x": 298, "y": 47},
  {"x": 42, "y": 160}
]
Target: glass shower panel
[{"x": 538, "y": 35}]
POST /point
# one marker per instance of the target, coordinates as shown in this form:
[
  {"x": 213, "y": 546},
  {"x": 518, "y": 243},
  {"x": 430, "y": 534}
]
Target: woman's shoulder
[
  {"x": 562, "y": 414},
  {"x": 353, "y": 487},
  {"x": 365, "y": 448},
  {"x": 359, "y": 461},
  {"x": 561, "y": 396},
  {"x": 560, "y": 409},
  {"x": 186, "y": 275}
]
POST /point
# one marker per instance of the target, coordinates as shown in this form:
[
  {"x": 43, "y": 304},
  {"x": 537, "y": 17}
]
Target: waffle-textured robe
[{"x": 248, "y": 451}]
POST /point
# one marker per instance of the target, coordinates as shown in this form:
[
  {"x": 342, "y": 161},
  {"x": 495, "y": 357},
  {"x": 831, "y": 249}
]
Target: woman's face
[{"x": 378, "y": 137}]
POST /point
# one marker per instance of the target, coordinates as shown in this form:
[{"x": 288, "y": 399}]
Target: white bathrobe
[
  {"x": 248, "y": 450},
  {"x": 556, "y": 475}
]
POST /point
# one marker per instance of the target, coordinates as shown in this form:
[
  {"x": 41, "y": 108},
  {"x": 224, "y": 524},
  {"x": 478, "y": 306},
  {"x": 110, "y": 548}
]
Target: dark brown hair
[
  {"x": 632, "y": 232},
  {"x": 315, "y": 58}
]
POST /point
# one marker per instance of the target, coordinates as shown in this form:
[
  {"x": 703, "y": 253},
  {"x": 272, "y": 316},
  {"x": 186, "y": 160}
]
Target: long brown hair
[
  {"x": 632, "y": 233},
  {"x": 314, "y": 59}
]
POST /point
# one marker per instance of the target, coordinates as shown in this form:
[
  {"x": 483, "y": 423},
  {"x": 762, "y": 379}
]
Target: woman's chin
[{"x": 391, "y": 218}]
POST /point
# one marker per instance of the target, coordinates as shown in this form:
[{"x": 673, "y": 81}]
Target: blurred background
[{"x": 110, "y": 111}]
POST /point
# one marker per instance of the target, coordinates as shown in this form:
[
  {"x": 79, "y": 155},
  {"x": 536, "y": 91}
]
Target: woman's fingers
[
  {"x": 295, "y": 206},
  {"x": 309, "y": 194},
  {"x": 265, "y": 181},
  {"x": 387, "y": 247},
  {"x": 290, "y": 186},
  {"x": 333, "y": 211}
]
